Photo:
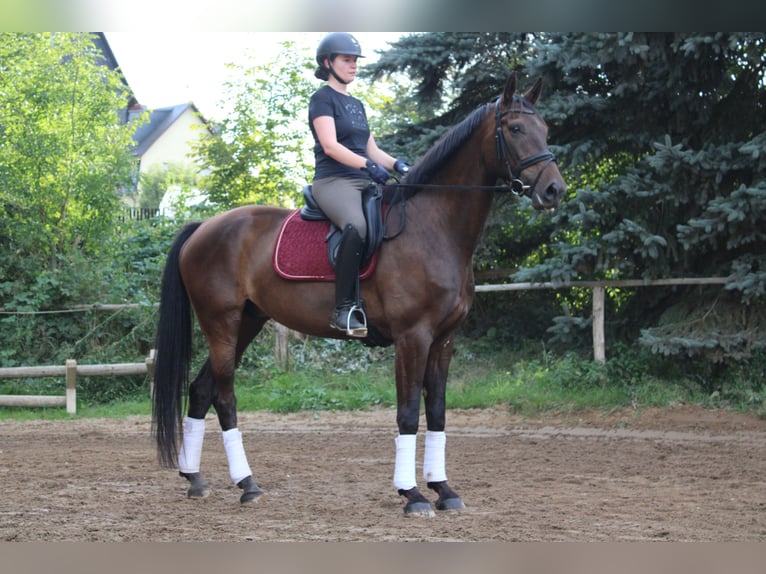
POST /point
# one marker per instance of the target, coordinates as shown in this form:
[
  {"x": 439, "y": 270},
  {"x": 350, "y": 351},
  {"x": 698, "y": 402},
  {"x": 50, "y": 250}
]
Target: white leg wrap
[
  {"x": 433, "y": 458},
  {"x": 191, "y": 448},
  {"x": 235, "y": 452},
  {"x": 404, "y": 468}
]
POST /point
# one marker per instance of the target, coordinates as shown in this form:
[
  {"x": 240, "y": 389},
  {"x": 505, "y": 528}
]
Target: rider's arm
[{"x": 324, "y": 126}]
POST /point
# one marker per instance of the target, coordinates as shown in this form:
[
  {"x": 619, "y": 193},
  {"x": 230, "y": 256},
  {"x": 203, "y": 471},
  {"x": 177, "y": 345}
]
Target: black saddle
[{"x": 372, "y": 206}]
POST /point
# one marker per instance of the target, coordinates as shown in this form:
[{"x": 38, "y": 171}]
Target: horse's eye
[{"x": 515, "y": 129}]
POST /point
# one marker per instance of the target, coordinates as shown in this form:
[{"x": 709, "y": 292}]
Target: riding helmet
[{"x": 338, "y": 43}]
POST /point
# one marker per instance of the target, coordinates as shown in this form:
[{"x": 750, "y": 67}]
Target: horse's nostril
[{"x": 552, "y": 192}]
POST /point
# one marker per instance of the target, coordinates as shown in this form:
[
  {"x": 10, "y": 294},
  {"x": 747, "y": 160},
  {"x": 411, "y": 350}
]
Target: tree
[
  {"x": 63, "y": 155},
  {"x": 665, "y": 131},
  {"x": 155, "y": 182},
  {"x": 258, "y": 153},
  {"x": 660, "y": 137},
  {"x": 446, "y": 75}
]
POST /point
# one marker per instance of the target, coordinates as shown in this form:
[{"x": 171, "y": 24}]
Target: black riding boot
[{"x": 349, "y": 313}]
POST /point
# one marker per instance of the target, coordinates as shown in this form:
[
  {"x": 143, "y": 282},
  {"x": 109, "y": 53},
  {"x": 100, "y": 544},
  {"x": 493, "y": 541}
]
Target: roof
[
  {"x": 159, "y": 122},
  {"x": 107, "y": 59}
]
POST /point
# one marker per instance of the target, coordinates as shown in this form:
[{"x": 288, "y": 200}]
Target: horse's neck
[{"x": 459, "y": 214}]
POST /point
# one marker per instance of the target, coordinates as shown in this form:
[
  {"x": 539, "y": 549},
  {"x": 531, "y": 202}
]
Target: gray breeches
[{"x": 341, "y": 200}]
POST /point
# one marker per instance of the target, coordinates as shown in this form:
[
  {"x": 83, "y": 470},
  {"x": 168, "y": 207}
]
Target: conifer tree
[{"x": 661, "y": 138}]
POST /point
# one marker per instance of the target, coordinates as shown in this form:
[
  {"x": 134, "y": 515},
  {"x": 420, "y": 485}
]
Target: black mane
[{"x": 447, "y": 145}]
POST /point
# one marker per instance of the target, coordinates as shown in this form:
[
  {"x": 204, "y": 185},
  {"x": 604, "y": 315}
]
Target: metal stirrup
[{"x": 351, "y": 311}]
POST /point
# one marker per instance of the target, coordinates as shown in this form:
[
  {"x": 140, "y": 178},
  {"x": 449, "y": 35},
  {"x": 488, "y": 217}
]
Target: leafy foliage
[
  {"x": 63, "y": 155},
  {"x": 158, "y": 178},
  {"x": 257, "y": 155}
]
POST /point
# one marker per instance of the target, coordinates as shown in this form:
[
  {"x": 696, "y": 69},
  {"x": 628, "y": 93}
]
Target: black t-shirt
[{"x": 351, "y": 128}]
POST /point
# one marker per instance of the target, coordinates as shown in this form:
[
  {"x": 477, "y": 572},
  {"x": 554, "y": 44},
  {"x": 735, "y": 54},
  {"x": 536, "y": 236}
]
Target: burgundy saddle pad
[{"x": 301, "y": 251}]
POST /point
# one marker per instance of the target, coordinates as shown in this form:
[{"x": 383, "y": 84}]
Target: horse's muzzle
[{"x": 548, "y": 197}]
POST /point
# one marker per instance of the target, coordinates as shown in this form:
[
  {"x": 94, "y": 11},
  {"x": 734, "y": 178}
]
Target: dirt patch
[{"x": 681, "y": 474}]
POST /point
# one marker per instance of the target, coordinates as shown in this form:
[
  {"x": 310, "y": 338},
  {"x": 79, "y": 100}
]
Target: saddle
[
  {"x": 372, "y": 206},
  {"x": 307, "y": 243}
]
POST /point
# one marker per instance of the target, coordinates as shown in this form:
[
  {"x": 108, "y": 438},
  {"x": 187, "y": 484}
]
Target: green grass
[{"x": 332, "y": 375}]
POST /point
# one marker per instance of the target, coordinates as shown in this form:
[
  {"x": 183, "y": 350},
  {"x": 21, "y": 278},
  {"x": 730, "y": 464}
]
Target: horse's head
[{"x": 522, "y": 149}]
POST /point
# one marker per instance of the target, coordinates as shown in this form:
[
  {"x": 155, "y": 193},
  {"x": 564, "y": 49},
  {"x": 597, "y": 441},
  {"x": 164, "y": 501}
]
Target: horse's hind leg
[
  {"x": 193, "y": 436},
  {"x": 201, "y": 392},
  {"x": 224, "y": 362},
  {"x": 435, "y": 385}
]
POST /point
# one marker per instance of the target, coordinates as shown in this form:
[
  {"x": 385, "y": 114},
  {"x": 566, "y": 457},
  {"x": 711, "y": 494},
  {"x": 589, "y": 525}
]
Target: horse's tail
[{"x": 173, "y": 353}]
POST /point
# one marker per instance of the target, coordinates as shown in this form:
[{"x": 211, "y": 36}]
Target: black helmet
[{"x": 338, "y": 43}]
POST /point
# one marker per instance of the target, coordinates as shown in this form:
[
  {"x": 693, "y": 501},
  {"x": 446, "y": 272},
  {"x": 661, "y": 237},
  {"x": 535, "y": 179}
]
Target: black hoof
[
  {"x": 199, "y": 488},
  {"x": 450, "y": 504},
  {"x": 251, "y": 491},
  {"x": 448, "y": 498},
  {"x": 422, "y": 509},
  {"x": 417, "y": 504}
]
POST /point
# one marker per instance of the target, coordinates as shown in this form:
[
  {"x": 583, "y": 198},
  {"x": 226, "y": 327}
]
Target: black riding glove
[
  {"x": 377, "y": 174},
  {"x": 401, "y": 166}
]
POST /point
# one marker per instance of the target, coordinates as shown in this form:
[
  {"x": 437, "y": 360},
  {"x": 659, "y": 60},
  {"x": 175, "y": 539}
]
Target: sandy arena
[{"x": 680, "y": 474}]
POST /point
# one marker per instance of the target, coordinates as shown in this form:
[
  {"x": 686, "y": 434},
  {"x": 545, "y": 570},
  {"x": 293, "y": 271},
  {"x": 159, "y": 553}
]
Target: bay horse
[{"x": 417, "y": 297}]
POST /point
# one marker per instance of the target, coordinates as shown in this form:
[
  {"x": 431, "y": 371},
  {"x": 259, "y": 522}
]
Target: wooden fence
[
  {"x": 72, "y": 369},
  {"x": 138, "y": 213},
  {"x": 599, "y": 298},
  {"x": 69, "y": 371}
]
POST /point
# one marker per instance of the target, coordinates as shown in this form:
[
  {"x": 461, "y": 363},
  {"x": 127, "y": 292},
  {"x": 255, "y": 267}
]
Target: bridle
[
  {"x": 516, "y": 185},
  {"x": 503, "y": 153}
]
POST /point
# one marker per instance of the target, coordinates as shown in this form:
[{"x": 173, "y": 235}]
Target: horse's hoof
[
  {"x": 448, "y": 498},
  {"x": 417, "y": 504},
  {"x": 250, "y": 496},
  {"x": 450, "y": 504},
  {"x": 419, "y": 509},
  {"x": 202, "y": 491},
  {"x": 251, "y": 491},
  {"x": 199, "y": 487}
]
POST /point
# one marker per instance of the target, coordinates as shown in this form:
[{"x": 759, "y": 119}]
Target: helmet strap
[{"x": 334, "y": 73}]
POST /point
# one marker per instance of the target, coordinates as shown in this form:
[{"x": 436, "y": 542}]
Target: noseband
[{"x": 503, "y": 153}]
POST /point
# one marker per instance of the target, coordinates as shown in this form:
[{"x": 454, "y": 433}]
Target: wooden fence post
[
  {"x": 281, "y": 349},
  {"x": 150, "y": 371},
  {"x": 599, "y": 342},
  {"x": 71, "y": 388}
]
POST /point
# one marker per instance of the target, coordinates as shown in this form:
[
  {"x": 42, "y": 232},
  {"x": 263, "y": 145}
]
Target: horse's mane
[{"x": 446, "y": 146}]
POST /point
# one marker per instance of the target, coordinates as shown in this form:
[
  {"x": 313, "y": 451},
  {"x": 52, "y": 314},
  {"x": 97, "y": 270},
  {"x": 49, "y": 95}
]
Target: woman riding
[{"x": 346, "y": 159}]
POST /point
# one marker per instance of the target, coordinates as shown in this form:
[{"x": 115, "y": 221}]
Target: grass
[{"x": 333, "y": 375}]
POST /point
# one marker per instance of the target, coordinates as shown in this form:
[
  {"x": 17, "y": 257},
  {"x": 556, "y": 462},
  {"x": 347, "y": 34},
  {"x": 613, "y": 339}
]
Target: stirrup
[{"x": 358, "y": 332}]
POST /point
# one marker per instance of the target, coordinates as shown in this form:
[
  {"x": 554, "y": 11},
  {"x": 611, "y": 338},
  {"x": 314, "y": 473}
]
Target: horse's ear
[
  {"x": 533, "y": 93},
  {"x": 510, "y": 89}
]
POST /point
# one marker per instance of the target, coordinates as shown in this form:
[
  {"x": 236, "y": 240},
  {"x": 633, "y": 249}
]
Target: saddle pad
[{"x": 301, "y": 251}]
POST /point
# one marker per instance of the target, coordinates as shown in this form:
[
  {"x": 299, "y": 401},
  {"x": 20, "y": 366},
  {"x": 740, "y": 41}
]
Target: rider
[{"x": 346, "y": 159}]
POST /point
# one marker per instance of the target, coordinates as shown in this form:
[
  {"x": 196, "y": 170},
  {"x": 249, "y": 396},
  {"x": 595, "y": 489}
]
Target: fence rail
[
  {"x": 69, "y": 371},
  {"x": 599, "y": 298}
]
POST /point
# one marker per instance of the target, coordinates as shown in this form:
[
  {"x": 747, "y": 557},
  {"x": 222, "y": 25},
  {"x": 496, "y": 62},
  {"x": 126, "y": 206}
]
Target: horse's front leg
[
  {"x": 411, "y": 354},
  {"x": 434, "y": 458}
]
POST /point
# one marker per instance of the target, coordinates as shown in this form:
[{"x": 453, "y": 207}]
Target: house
[{"x": 167, "y": 136}]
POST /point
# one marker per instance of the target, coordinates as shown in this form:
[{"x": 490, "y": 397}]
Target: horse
[{"x": 417, "y": 297}]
